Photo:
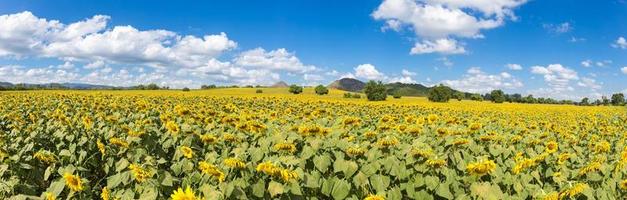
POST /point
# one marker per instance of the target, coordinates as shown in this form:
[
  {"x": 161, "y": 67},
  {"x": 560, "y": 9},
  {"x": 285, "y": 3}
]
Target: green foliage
[
  {"x": 321, "y": 90},
  {"x": 258, "y": 91},
  {"x": 295, "y": 89},
  {"x": 476, "y": 97},
  {"x": 397, "y": 95},
  {"x": 498, "y": 96},
  {"x": 459, "y": 96},
  {"x": 185, "y": 89},
  {"x": 440, "y": 93},
  {"x": 356, "y": 96},
  {"x": 618, "y": 99},
  {"x": 347, "y": 95},
  {"x": 375, "y": 91}
]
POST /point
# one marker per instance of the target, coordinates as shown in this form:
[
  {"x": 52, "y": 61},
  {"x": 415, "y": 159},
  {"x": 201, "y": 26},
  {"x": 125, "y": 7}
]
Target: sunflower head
[
  {"x": 187, "y": 152},
  {"x": 73, "y": 182},
  {"x": 181, "y": 194}
]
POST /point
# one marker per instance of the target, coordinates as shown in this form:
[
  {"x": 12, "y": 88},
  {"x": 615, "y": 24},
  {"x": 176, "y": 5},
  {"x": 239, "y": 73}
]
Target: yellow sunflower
[{"x": 179, "y": 194}]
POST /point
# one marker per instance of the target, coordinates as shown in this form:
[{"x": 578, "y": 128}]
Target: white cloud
[
  {"x": 514, "y": 67},
  {"x": 443, "y": 46},
  {"x": 402, "y": 79},
  {"x": 558, "y": 28},
  {"x": 589, "y": 83},
  {"x": 369, "y": 72},
  {"x": 405, "y": 72},
  {"x": 436, "y": 21},
  {"x": 624, "y": 70},
  {"x": 24, "y": 34},
  {"x": 586, "y": 63},
  {"x": 557, "y": 76},
  {"x": 279, "y": 59},
  {"x": 603, "y": 63},
  {"x": 174, "y": 59},
  {"x": 477, "y": 81},
  {"x": 94, "y": 65},
  {"x": 446, "y": 62},
  {"x": 621, "y": 43}
]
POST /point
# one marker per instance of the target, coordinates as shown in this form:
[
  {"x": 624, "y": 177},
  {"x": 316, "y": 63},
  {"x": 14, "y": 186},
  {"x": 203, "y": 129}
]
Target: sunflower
[
  {"x": 234, "y": 163},
  {"x": 139, "y": 173},
  {"x": 73, "y": 182},
  {"x": 105, "y": 193},
  {"x": 436, "y": 163},
  {"x": 374, "y": 197},
  {"x": 212, "y": 170},
  {"x": 187, "y": 152},
  {"x": 179, "y": 194},
  {"x": 289, "y": 147},
  {"x": 172, "y": 127},
  {"x": 482, "y": 167},
  {"x": 118, "y": 142},
  {"x": 623, "y": 184},
  {"x": 101, "y": 147},
  {"x": 49, "y": 196},
  {"x": 551, "y": 147}
]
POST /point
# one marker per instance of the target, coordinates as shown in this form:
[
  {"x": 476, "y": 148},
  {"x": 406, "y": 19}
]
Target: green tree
[
  {"x": 440, "y": 93},
  {"x": 321, "y": 90},
  {"x": 459, "y": 96},
  {"x": 347, "y": 95},
  {"x": 618, "y": 99},
  {"x": 295, "y": 89},
  {"x": 585, "y": 101},
  {"x": 258, "y": 91},
  {"x": 476, "y": 97},
  {"x": 185, "y": 89},
  {"x": 498, "y": 96},
  {"x": 397, "y": 95},
  {"x": 375, "y": 91}
]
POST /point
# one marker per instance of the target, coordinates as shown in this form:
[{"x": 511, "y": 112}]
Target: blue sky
[{"x": 565, "y": 49}]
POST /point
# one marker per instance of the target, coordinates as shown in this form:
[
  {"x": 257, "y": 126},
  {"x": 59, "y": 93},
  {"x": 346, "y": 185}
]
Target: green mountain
[{"x": 405, "y": 89}]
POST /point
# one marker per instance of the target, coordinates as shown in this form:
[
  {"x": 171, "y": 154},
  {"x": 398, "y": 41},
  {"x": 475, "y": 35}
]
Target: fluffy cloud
[
  {"x": 279, "y": 59},
  {"x": 369, "y": 72},
  {"x": 558, "y": 28},
  {"x": 477, "y": 81},
  {"x": 620, "y": 43},
  {"x": 104, "y": 52},
  {"x": 24, "y": 34},
  {"x": 401, "y": 79},
  {"x": 557, "y": 76},
  {"x": 436, "y": 21},
  {"x": 443, "y": 46},
  {"x": 624, "y": 70},
  {"x": 586, "y": 63},
  {"x": 589, "y": 83},
  {"x": 514, "y": 67},
  {"x": 405, "y": 72}
]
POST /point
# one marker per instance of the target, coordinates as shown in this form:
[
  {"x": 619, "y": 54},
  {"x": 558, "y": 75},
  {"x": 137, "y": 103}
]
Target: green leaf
[
  {"x": 121, "y": 165},
  {"x": 379, "y": 182},
  {"x": 327, "y": 186},
  {"x": 360, "y": 179},
  {"x": 56, "y": 187},
  {"x": 341, "y": 189},
  {"x": 322, "y": 163},
  {"x": 259, "y": 188},
  {"x": 275, "y": 188},
  {"x": 114, "y": 181},
  {"x": 432, "y": 182},
  {"x": 444, "y": 191},
  {"x": 350, "y": 167}
]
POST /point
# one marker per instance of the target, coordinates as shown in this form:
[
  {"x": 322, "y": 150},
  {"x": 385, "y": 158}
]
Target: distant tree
[
  {"x": 516, "y": 98},
  {"x": 397, "y": 95},
  {"x": 206, "y": 87},
  {"x": 476, "y": 97},
  {"x": 321, "y": 90},
  {"x": 185, "y": 89},
  {"x": 347, "y": 95},
  {"x": 440, "y": 93},
  {"x": 605, "y": 100},
  {"x": 497, "y": 96},
  {"x": 356, "y": 96},
  {"x": 459, "y": 96},
  {"x": 618, "y": 99},
  {"x": 259, "y": 91},
  {"x": 585, "y": 101},
  {"x": 152, "y": 86},
  {"x": 295, "y": 89},
  {"x": 529, "y": 99},
  {"x": 375, "y": 91}
]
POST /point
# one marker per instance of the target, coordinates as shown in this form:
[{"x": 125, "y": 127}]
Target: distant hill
[
  {"x": 348, "y": 84},
  {"x": 405, "y": 89},
  {"x": 280, "y": 84}
]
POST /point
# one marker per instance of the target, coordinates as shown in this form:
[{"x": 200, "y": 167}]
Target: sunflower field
[{"x": 175, "y": 145}]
